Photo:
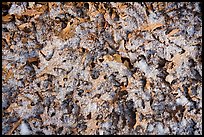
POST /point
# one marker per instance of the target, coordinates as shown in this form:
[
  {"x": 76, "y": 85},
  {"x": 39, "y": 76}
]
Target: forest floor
[{"x": 84, "y": 68}]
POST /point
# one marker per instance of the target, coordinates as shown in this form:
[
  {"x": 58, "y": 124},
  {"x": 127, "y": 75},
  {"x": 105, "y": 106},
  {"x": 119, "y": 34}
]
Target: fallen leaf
[
  {"x": 9, "y": 74},
  {"x": 117, "y": 58},
  {"x": 151, "y": 27},
  {"x": 7, "y": 37},
  {"x": 7, "y": 18},
  {"x": 148, "y": 84},
  {"x": 91, "y": 126},
  {"x": 23, "y": 26},
  {"x": 31, "y": 12},
  {"x": 126, "y": 63},
  {"x": 173, "y": 32},
  {"x": 142, "y": 123},
  {"x": 67, "y": 32},
  {"x": 32, "y": 59},
  {"x": 108, "y": 58},
  {"x": 11, "y": 107},
  {"x": 169, "y": 78}
]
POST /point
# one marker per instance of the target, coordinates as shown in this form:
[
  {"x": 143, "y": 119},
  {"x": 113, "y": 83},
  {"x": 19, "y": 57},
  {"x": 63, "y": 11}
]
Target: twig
[{"x": 14, "y": 126}]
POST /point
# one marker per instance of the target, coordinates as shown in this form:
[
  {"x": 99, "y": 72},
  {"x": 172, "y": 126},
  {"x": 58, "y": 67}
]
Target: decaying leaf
[
  {"x": 148, "y": 84},
  {"x": 12, "y": 107},
  {"x": 92, "y": 36},
  {"x": 91, "y": 126},
  {"x": 174, "y": 31},
  {"x": 7, "y": 18},
  {"x": 7, "y": 37},
  {"x": 98, "y": 81},
  {"x": 117, "y": 58},
  {"x": 9, "y": 74},
  {"x": 108, "y": 58},
  {"x": 142, "y": 123},
  {"x": 67, "y": 32},
  {"x": 25, "y": 25},
  {"x": 32, "y": 12},
  {"x": 107, "y": 66},
  {"x": 169, "y": 78},
  {"x": 151, "y": 27},
  {"x": 127, "y": 64},
  {"x": 32, "y": 59}
]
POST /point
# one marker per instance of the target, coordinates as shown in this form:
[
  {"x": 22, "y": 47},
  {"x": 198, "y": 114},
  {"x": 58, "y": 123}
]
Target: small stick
[{"x": 14, "y": 126}]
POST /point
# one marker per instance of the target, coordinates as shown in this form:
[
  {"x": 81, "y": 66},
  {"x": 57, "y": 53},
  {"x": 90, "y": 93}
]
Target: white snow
[
  {"x": 24, "y": 130},
  {"x": 182, "y": 100},
  {"x": 149, "y": 71},
  {"x": 160, "y": 129},
  {"x": 15, "y": 9},
  {"x": 150, "y": 127}
]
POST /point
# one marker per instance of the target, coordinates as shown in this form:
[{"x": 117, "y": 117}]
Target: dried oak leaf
[
  {"x": 148, "y": 84},
  {"x": 25, "y": 25},
  {"x": 9, "y": 74},
  {"x": 108, "y": 58},
  {"x": 32, "y": 12},
  {"x": 12, "y": 107},
  {"x": 67, "y": 32},
  {"x": 142, "y": 123},
  {"x": 117, "y": 58},
  {"x": 7, "y": 37},
  {"x": 33, "y": 59},
  {"x": 151, "y": 27},
  {"x": 91, "y": 126},
  {"x": 96, "y": 82},
  {"x": 7, "y": 18},
  {"x": 174, "y": 31}
]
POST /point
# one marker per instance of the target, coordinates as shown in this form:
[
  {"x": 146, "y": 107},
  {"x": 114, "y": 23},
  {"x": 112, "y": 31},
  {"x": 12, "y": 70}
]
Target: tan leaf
[
  {"x": 67, "y": 32},
  {"x": 32, "y": 59},
  {"x": 117, "y": 58},
  {"x": 148, "y": 84},
  {"x": 7, "y": 18},
  {"x": 11, "y": 107},
  {"x": 123, "y": 88},
  {"x": 42, "y": 9},
  {"x": 50, "y": 4},
  {"x": 173, "y": 32},
  {"x": 108, "y": 58},
  {"x": 91, "y": 126},
  {"x": 142, "y": 123},
  {"x": 7, "y": 37},
  {"x": 122, "y": 6},
  {"x": 31, "y": 12},
  {"x": 151, "y": 27},
  {"x": 126, "y": 63},
  {"x": 96, "y": 82},
  {"x": 22, "y": 26},
  {"x": 24, "y": 40},
  {"x": 9, "y": 74}
]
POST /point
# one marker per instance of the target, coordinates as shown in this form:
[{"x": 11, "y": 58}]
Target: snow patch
[
  {"x": 24, "y": 130},
  {"x": 182, "y": 100}
]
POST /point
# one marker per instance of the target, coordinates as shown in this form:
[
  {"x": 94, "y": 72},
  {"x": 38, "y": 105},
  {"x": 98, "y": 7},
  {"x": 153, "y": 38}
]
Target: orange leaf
[
  {"x": 33, "y": 59},
  {"x": 7, "y": 18}
]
